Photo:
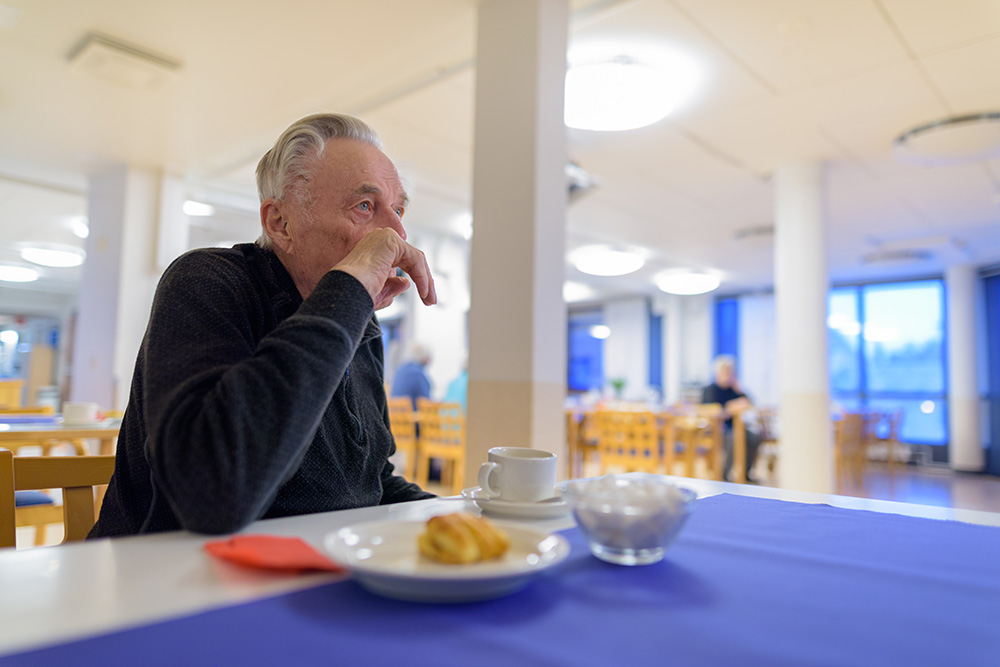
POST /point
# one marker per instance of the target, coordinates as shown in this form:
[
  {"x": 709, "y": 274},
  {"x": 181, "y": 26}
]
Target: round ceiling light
[
  {"x": 54, "y": 257},
  {"x": 686, "y": 283},
  {"x": 18, "y": 274},
  {"x": 623, "y": 94},
  {"x": 951, "y": 141},
  {"x": 599, "y": 260}
]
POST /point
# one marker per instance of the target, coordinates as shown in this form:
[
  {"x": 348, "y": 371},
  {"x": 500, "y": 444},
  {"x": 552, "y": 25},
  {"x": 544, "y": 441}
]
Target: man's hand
[{"x": 374, "y": 261}]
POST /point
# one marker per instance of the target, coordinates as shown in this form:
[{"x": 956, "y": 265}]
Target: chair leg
[{"x": 40, "y": 534}]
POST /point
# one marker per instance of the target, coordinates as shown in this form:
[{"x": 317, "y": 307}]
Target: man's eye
[
  {"x": 400, "y": 211},
  {"x": 365, "y": 206}
]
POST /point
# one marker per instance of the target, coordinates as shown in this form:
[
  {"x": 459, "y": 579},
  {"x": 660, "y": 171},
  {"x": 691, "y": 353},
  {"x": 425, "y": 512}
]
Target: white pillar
[
  {"x": 672, "y": 346},
  {"x": 517, "y": 320},
  {"x": 800, "y": 288},
  {"x": 117, "y": 284},
  {"x": 965, "y": 450}
]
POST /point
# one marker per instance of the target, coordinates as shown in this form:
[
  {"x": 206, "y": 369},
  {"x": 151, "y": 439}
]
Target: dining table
[
  {"x": 18, "y": 431},
  {"x": 758, "y": 576}
]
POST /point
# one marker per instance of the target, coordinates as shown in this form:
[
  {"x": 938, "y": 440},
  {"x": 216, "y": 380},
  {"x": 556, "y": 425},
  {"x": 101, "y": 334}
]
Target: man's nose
[{"x": 393, "y": 221}]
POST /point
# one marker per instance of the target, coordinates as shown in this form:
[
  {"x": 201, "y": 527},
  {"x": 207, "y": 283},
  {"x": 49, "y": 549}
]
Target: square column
[{"x": 517, "y": 318}]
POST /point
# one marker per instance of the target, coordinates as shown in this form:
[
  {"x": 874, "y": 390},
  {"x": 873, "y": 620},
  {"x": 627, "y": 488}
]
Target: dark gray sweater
[{"x": 248, "y": 402}]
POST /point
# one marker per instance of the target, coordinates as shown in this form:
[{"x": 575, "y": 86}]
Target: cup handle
[{"x": 484, "y": 478}]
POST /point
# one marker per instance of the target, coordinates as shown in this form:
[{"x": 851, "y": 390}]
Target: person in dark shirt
[
  {"x": 259, "y": 386},
  {"x": 725, "y": 391}
]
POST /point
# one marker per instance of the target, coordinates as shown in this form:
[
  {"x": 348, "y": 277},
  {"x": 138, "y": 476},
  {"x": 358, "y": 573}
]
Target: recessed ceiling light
[
  {"x": 197, "y": 209},
  {"x": 605, "y": 261},
  {"x": 53, "y": 257},
  {"x": 18, "y": 274},
  {"x": 623, "y": 93},
  {"x": 686, "y": 283}
]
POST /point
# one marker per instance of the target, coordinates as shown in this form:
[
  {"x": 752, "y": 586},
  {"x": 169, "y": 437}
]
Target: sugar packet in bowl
[{"x": 628, "y": 519}]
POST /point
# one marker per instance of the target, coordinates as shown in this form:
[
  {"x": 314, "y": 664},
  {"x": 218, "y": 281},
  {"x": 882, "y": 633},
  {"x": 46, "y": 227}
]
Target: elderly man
[
  {"x": 258, "y": 389},
  {"x": 725, "y": 391}
]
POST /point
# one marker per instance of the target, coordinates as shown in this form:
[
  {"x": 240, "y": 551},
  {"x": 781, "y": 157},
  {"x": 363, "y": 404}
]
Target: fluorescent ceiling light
[
  {"x": 18, "y": 274},
  {"x": 624, "y": 94},
  {"x": 686, "y": 283},
  {"x": 197, "y": 209},
  {"x": 600, "y": 331},
  {"x": 8, "y": 337},
  {"x": 600, "y": 260},
  {"x": 53, "y": 257}
]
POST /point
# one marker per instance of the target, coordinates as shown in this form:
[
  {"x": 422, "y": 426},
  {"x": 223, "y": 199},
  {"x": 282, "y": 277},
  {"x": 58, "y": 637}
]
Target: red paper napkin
[{"x": 287, "y": 554}]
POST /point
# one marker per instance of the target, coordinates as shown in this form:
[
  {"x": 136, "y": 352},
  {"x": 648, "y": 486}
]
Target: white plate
[
  {"x": 383, "y": 557},
  {"x": 552, "y": 508}
]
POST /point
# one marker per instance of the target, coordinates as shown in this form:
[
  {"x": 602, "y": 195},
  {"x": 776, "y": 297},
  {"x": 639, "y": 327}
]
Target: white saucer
[{"x": 551, "y": 508}]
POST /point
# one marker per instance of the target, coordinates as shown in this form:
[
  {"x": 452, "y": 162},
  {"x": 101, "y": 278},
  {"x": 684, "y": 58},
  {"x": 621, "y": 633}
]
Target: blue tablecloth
[{"x": 749, "y": 582}]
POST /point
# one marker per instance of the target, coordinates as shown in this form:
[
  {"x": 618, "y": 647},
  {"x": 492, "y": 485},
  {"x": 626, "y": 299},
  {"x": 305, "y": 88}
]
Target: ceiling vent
[
  {"x": 124, "y": 64},
  {"x": 896, "y": 256},
  {"x": 754, "y": 234}
]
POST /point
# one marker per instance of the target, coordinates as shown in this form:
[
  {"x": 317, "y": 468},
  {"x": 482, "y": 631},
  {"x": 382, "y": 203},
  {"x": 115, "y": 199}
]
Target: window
[
  {"x": 727, "y": 326},
  {"x": 586, "y": 351},
  {"x": 887, "y": 353},
  {"x": 992, "y": 285}
]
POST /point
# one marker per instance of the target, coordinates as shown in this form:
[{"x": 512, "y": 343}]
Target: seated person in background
[
  {"x": 726, "y": 392},
  {"x": 411, "y": 378},
  {"x": 258, "y": 389},
  {"x": 458, "y": 390}
]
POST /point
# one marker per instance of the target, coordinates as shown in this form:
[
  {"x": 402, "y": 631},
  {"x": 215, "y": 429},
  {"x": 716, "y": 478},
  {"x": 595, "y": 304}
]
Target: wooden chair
[
  {"x": 767, "y": 420},
  {"x": 698, "y": 432},
  {"x": 581, "y": 437},
  {"x": 75, "y": 475},
  {"x": 403, "y": 423},
  {"x": 882, "y": 436},
  {"x": 628, "y": 441},
  {"x": 849, "y": 449},
  {"x": 10, "y": 393},
  {"x": 442, "y": 436}
]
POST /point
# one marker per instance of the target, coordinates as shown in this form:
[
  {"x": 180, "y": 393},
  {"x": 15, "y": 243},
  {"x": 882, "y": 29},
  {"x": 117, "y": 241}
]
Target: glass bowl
[{"x": 628, "y": 519}]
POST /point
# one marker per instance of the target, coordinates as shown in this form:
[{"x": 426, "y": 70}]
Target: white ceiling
[{"x": 784, "y": 80}]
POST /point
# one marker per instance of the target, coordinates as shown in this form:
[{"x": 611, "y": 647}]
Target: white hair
[
  {"x": 286, "y": 167},
  {"x": 724, "y": 360}
]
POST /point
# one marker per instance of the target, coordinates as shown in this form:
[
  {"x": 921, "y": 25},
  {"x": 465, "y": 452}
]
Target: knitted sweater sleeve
[{"x": 230, "y": 415}]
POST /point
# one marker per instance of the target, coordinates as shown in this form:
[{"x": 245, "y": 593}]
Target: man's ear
[{"x": 275, "y": 225}]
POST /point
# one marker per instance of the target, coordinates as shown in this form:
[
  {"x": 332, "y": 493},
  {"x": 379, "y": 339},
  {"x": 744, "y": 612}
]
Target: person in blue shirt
[
  {"x": 411, "y": 378},
  {"x": 458, "y": 390}
]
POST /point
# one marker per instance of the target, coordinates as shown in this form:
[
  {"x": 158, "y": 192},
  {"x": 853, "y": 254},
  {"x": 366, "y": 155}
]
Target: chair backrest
[
  {"x": 628, "y": 439},
  {"x": 75, "y": 475},
  {"x": 10, "y": 393},
  {"x": 442, "y": 423},
  {"x": 402, "y": 420}
]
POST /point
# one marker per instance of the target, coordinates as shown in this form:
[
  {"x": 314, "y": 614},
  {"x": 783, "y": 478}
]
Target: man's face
[
  {"x": 354, "y": 188},
  {"x": 724, "y": 376}
]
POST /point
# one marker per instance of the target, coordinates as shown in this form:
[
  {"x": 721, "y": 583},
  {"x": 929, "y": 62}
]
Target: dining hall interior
[{"x": 804, "y": 193}]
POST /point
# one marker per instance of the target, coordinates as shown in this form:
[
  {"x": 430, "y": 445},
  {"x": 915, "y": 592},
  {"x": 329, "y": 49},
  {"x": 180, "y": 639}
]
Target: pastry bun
[{"x": 462, "y": 538}]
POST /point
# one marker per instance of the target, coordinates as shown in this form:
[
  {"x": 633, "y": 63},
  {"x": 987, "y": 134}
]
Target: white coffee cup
[
  {"x": 518, "y": 474},
  {"x": 79, "y": 413}
]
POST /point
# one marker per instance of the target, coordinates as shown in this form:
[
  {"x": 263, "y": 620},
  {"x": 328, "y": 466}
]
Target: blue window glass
[
  {"x": 845, "y": 334},
  {"x": 656, "y": 351},
  {"x": 586, "y": 351},
  {"x": 727, "y": 326},
  {"x": 992, "y": 285}
]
